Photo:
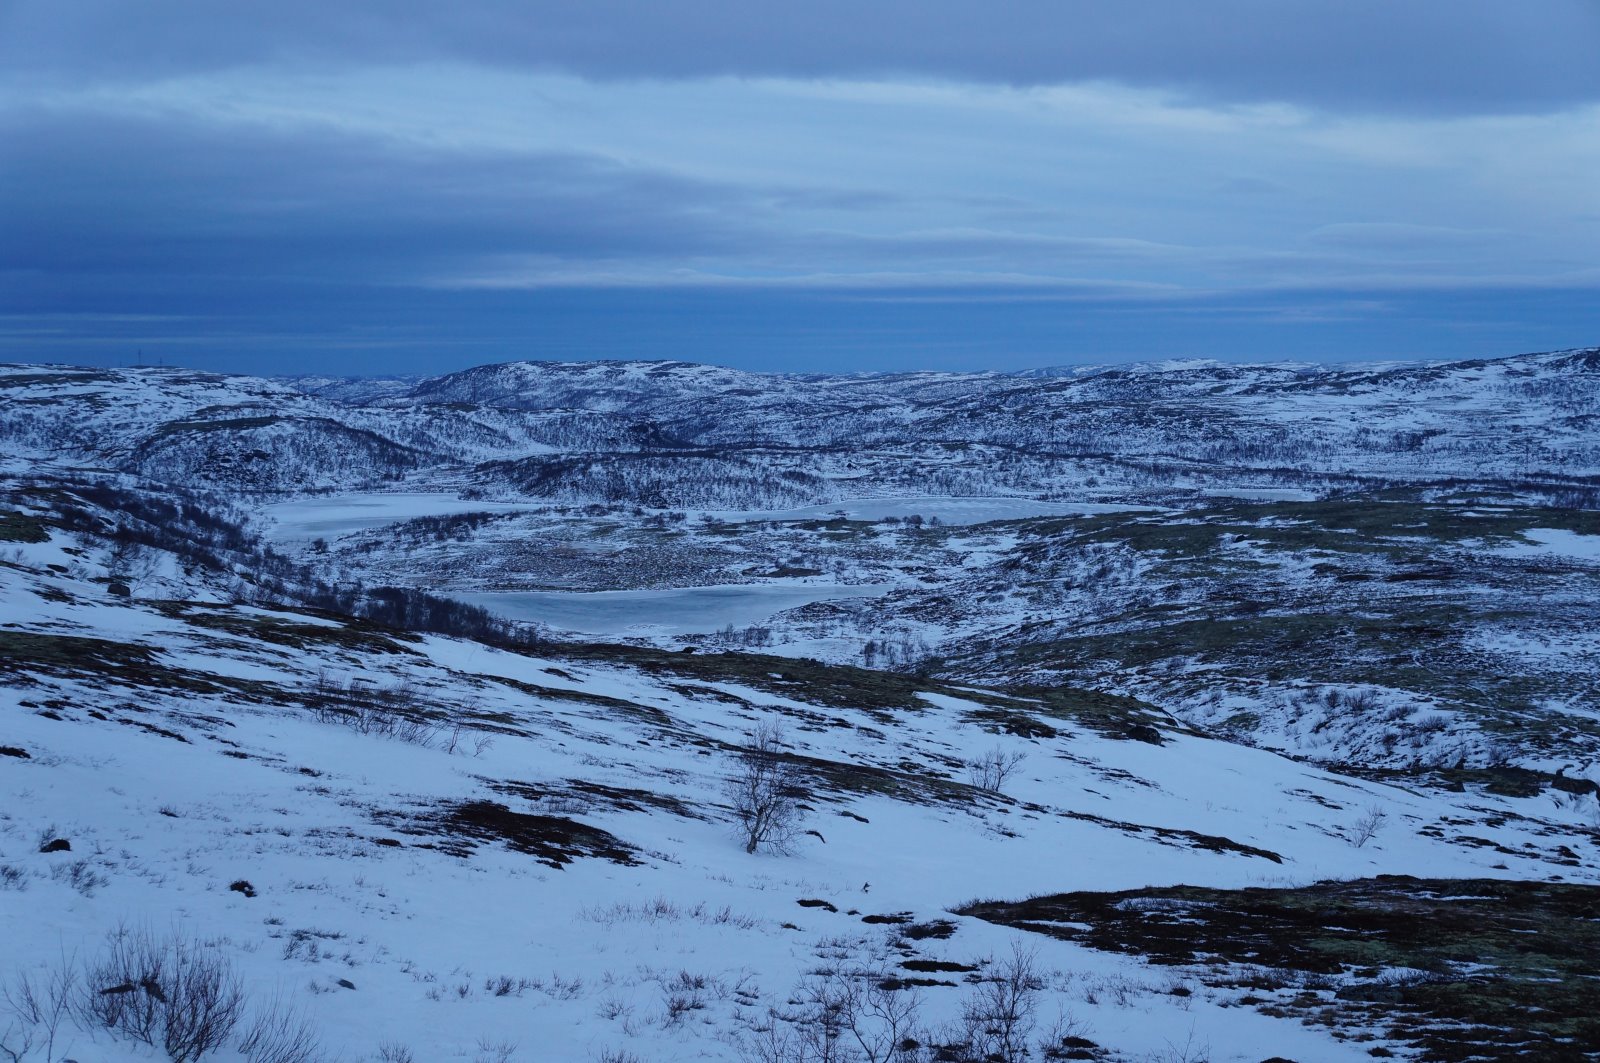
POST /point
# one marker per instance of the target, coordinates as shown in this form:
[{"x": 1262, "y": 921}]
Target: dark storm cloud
[
  {"x": 1408, "y": 55},
  {"x": 94, "y": 194}
]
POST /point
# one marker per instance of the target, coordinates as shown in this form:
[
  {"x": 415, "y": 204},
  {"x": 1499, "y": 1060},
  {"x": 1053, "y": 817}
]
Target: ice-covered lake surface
[
  {"x": 957, "y": 510},
  {"x": 1262, "y": 494},
  {"x": 336, "y": 515},
  {"x": 677, "y": 611},
  {"x": 1555, "y": 542}
]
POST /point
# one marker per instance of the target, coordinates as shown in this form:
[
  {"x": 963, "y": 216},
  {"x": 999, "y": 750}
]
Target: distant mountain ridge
[{"x": 649, "y": 431}]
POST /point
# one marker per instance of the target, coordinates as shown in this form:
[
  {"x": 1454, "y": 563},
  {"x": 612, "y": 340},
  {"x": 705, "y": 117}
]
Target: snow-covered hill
[
  {"x": 659, "y": 433},
  {"x": 542, "y": 861}
]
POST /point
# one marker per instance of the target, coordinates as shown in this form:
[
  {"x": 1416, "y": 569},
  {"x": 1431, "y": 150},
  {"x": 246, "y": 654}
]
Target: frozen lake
[
  {"x": 1555, "y": 542},
  {"x": 336, "y": 515},
  {"x": 1261, "y": 494},
  {"x": 957, "y": 510},
  {"x": 679, "y": 611}
]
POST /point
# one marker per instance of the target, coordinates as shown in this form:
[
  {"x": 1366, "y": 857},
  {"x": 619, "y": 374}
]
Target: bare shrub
[
  {"x": 506, "y": 986},
  {"x": 278, "y": 1034},
  {"x": 177, "y": 995},
  {"x": 1361, "y": 702},
  {"x": 491, "y": 1052},
  {"x": 388, "y": 712},
  {"x": 771, "y": 1041},
  {"x": 859, "y": 1015},
  {"x": 395, "y": 1052},
  {"x": 80, "y": 874},
  {"x": 1190, "y": 1051},
  {"x": 990, "y": 771},
  {"x": 1064, "y": 1038},
  {"x": 1498, "y": 753},
  {"x": 765, "y": 792}
]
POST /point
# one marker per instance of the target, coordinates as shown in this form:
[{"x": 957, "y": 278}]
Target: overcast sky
[{"x": 369, "y": 186}]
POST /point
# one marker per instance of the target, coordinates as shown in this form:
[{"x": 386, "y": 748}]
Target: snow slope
[{"x": 179, "y": 749}]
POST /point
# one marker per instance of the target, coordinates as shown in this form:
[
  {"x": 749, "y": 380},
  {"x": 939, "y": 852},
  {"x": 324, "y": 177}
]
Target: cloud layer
[
  {"x": 1424, "y": 55},
  {"x": 806, "y": 178}
]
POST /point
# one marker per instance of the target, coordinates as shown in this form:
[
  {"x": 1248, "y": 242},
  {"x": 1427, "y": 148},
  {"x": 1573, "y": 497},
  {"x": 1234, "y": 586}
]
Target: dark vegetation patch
[
  {"x": 1187, "y": 839},
  {"x": 937, "y": 966},
  {"x": 879, "y": 693},
  {"x": 1276, "y": 642},
  {"x": 348, "y": 633},
  {"x": 802, "y": 679},
  {"x": 617, "y": 798},
  {"x": 933, "y": 930},
  {"x": 230, "y": 424},
  {"x": 1502, "y": 780},
  {"x": 15, "y": 751},
  {"x": 894, "y": 983},
  {"x": 1371, "y": 524},
  {"x": 149, "y": 728},
  {"x": 816, "y": 902},
  {"x": 552, "y": 840},
  {"x": 1112, "y": 715},
  {"x": 124, "y": 663},
  {"x": 1010, "y": 720},
  {"x": 902, "y": 784},
  {"x": 697, "y": 692},
  {"x": 616, "y": 707},
  {"x": 1458, "y": 969},
  {"x": 70, "y": 654},
  {"x": 20, "y": 528},
  {"x": 29, "y": 380}
]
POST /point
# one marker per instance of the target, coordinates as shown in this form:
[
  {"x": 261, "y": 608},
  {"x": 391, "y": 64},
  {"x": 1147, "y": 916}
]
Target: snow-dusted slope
[{"x": 554, "y": 874}]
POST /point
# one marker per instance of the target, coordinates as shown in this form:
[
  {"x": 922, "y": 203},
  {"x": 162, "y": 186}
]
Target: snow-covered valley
[{"x": 1032, "y": 653}]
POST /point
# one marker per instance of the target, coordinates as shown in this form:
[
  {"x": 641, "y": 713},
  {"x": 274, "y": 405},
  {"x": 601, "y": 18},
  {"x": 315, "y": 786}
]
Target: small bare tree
[
  {"x": 765, "y": 792},
  {"x": 42, "y": 1005},
  {"x": 999, "y": 1020},
  {"x": 1367, "y": 827},
  {"x": 990, "y": 771},
  {"x": 855, "y": 1015}
]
